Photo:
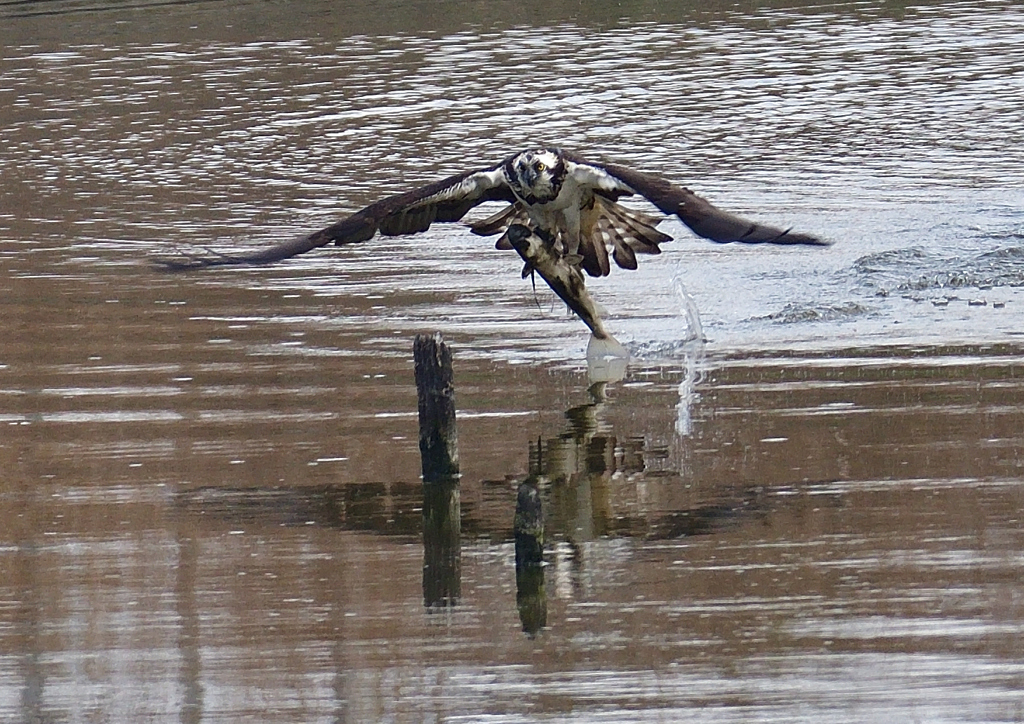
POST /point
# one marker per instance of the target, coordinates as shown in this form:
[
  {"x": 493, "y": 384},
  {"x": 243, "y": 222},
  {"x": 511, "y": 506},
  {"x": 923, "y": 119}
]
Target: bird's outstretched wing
[
  {"x": 697, "y": 213},
  {"x": 407, "y": 213}
]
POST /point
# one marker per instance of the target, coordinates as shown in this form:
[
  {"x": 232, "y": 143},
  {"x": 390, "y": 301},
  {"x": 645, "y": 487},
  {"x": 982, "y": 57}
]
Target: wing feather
[
  {"x": 499, "y": 223},
  {"x": 595, "y": 258},
  {"x": 624, "y": 256},
  {"x": 702, "y": 217},
  {"x": 638, "y": 229},
  {"x": 411, "y": 212}
]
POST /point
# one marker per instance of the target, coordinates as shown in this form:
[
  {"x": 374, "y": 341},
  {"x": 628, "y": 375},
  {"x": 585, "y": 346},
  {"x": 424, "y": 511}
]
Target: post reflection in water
[{"x": 442, "y": 553}]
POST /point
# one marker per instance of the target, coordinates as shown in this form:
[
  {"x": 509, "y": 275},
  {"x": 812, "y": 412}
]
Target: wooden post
[
  {"x": 435, "y": 390},
  {"x": 439, "y": 454}
]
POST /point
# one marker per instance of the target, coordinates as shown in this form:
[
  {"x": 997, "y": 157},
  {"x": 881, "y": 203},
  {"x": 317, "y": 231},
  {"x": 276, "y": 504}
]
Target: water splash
[
  {"x": 916, "y": 271},
  {"x": 694, "y": 329},
  {"x": 693, "y": 373}
]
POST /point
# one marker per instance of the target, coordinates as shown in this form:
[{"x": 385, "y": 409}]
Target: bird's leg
[
  {"x": 554, "y": 242},
  {"x": 570, "y": 251}
]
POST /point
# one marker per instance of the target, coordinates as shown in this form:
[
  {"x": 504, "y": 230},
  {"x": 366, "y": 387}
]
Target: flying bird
[{"x": 570, "y": 203}]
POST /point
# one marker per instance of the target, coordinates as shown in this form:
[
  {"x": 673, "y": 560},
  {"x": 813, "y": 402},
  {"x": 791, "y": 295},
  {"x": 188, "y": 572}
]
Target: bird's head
[{"x": 536, "y": 175}]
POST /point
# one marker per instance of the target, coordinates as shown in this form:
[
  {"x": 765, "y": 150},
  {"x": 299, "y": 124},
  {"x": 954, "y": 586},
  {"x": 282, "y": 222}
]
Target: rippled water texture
[{"x": 212, "y": 502}]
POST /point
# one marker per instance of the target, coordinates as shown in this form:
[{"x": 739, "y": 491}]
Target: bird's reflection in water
[
  {"x": 576, "y": 466},
  {"x": 565, "y": 467},
  {"x": 575, "y": 478}
]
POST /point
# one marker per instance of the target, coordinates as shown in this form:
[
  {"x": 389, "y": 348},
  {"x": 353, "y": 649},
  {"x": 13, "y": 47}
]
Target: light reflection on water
[
  {"x": 212, "y": 490},
  {"x": 143, "y": 148}
]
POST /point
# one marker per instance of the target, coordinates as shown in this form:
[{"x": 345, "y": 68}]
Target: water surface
[{"x": 214, "y": 510}]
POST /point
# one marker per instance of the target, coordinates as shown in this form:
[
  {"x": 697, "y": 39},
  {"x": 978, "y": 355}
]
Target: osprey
[{"x": 570, "y": 203}]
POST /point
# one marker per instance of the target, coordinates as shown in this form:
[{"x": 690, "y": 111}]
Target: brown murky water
[{"x": 212, "y": 504}]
